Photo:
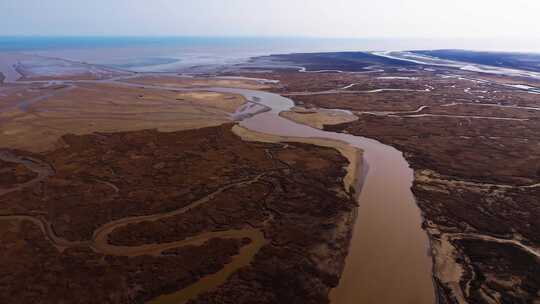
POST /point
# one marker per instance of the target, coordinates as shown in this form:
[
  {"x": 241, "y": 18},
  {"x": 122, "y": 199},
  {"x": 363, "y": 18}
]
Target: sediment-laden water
[{"x": 388, "y": 261}]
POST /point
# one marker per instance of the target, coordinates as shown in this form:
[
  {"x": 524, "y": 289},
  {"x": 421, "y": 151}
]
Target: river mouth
[{"x": 388, "y": 260}]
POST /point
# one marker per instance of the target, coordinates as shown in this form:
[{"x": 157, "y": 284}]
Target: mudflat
[{"x": 35, "y": 116}]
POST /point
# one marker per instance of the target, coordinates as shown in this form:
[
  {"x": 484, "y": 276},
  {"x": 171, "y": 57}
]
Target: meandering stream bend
[{"x": 100, "y": 242}]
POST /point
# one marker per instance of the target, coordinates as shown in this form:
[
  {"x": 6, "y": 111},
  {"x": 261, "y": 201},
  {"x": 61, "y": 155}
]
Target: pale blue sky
[{"x": 321, "y": 18}]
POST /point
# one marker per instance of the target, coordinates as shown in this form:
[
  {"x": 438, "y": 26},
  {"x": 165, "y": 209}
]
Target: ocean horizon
[{"x": 174, "y": 53}]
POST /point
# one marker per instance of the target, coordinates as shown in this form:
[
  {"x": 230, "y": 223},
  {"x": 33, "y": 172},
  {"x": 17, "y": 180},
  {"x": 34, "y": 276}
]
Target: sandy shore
[
  {"x": 329, "y": 261},
  {"x": 192, "y": 82},
  {"x": 318, "y": 118},
  {"x": 353, "y": 155}
]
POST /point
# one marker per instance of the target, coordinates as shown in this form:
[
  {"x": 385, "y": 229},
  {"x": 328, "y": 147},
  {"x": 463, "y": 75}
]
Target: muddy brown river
[{"x": 388, "y": 261}]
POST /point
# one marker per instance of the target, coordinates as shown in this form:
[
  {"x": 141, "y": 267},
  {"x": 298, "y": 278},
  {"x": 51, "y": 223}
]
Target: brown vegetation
[
  {"x": 294, "y": 196},
  {"x": 475, "y": 151}
]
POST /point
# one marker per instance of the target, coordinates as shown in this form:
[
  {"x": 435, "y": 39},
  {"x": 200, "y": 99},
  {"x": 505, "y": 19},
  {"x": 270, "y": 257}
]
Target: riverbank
[
  {"x": 354, "y": 156},
  {"x": 318, "y": 118}
]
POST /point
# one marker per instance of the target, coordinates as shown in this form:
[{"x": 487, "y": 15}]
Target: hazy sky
[{"x": 327, "y": 18}]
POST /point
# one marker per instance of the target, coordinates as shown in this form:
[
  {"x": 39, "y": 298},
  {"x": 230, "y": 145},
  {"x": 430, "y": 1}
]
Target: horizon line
[{"x": 251, "y": 36}]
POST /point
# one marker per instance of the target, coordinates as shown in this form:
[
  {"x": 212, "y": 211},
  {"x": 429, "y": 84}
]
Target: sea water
[{"x": 167, "y": 54}]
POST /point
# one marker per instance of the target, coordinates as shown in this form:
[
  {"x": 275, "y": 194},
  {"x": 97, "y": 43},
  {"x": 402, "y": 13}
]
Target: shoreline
[
  {"x": 353, "y": 183},
  {"x": 318, "y": 118},
  {"x": 352, "y": 154}
]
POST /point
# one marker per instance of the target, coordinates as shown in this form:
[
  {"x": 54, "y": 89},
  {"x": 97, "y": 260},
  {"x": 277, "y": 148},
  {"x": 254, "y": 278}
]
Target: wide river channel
[{"x": 388, "y": 260}]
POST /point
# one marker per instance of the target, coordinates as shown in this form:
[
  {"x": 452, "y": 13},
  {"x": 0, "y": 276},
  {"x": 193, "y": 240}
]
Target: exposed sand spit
[
  {"x": 318, "y": 118},
  {"x": 353, "y": 155},
  {"x": 192, "y": 82}
]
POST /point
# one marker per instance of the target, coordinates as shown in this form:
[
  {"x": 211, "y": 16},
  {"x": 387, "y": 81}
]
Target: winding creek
[
  {"x": 100, "y": 242},
  {"x": 37, "y": 166}
]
